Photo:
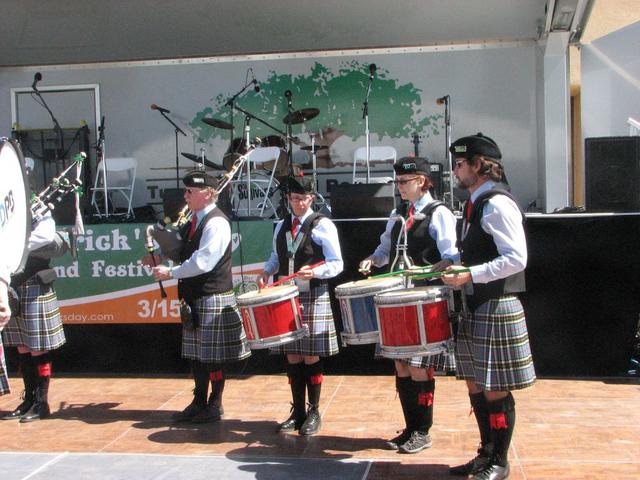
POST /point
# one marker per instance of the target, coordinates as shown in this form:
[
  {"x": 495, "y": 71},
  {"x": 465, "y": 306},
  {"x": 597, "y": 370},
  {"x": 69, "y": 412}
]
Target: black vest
[
  {"x": 308, "y": 252},
  {"x": 219, "y": 279},
  {"x": 421, "y": 248},
  {"x": 32, "y": 266},
  {"x": 478, "y": 247}
]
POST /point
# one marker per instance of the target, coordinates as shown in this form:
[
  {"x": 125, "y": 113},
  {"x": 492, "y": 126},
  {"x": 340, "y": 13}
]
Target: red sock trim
[
  {"x": 215, "y": 376},
  {"x": 425, "y": 399},
  {"x": 498, "y": 421},
  {"x": 44, "y": 369},
  {"x": 316, "y": 379}
]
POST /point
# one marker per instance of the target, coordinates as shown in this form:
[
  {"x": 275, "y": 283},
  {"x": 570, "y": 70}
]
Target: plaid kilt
[
  {"x": 441, "y": 362},
  {"x": 492, "y": 347},
  {"x": 219, "y": 337},
  {"x": 39, "y": 325},
  {"x": 4, "y": 378},
  {"x": 316, "y": 313}
]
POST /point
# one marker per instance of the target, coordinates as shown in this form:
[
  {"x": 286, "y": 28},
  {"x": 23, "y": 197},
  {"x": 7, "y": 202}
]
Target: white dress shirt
[
  {"x": 216, "y": 236},
  {"x": 43, "y": 233},
  {"x": 502, "y": 219},
  {"x": 442, "y": 229},
  {"x": 324, "y": 234}
]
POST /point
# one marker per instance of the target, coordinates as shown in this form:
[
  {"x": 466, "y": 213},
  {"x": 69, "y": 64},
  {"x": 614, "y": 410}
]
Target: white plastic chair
[
  {"x": 121, "y": 176},
  {"x": 383, "y": 153},
  {"x": 260, "y": 156}
]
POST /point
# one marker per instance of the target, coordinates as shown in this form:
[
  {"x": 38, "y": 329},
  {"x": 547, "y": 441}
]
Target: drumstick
[
  {"x": 282, "y": 280},
  {"x": 434, "y": 275}
]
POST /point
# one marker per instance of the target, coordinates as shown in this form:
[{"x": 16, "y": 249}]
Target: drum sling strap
[{"x": 294, "y": 243}]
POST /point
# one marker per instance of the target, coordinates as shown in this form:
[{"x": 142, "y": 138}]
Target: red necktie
[
  {"x": 192, "y": 230},
  {"x": 469, "y": 210},
  {"x": 294, "y": 226},
  {"x": 409, "y": 223}
]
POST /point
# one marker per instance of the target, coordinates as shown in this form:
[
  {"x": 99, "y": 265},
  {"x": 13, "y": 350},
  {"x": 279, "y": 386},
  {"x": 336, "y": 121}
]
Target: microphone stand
[
  {"x": 232, "y": 106},
  {"x": 289, "y": 134},
  {"x": 101, "y": 158},
  {"x": 447, "y": 136},
  {"x": 56, "y": 128},
  {"x": 365, "y": 117},
  {"x": 176, "y": 130}
]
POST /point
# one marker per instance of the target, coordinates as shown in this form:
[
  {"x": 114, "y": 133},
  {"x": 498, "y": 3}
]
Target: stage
[
  {"x": 582, "y": 301},
  {"x": 120, "y": 428}
]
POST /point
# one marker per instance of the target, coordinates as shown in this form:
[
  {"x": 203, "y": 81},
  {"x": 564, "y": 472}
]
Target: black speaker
[
  {"x": 361, "y": 200},
  {"x": 612, "y": 170},
  {"x": 436, "y": 171},
  {"x": 172, "y": 202}
]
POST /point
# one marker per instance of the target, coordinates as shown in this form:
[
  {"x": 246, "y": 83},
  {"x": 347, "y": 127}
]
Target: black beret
[
  {"x": 409, "y": 165},
  {"x": 298, "y": 184},
  {"x": 477, "y": 144},
  {"x": 199, "y": 179}
]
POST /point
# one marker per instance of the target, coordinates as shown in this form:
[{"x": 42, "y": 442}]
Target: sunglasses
[{"x": 404, "y": 182}]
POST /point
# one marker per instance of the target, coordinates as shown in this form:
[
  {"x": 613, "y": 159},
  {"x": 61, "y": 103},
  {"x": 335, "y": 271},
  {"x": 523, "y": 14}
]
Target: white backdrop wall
[
  {"x": 493, "y": 90},
  {"x": 611, "y": 83}
]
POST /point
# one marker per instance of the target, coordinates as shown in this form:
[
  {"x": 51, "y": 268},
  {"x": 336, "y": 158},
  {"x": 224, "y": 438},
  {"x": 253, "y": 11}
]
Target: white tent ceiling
[{"x": 34, "y": 32}]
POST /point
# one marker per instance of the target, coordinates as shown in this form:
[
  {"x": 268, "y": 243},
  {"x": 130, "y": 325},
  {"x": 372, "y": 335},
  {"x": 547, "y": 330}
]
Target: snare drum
[
  {"x": 358, "y": 310},
  {"x": 414, "y": 322},
  {"x": 272, "y": 316}
]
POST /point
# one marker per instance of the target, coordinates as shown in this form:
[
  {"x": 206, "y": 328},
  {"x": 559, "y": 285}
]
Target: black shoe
[
  {"x": 38, "y": 411},
  {"x": 209, "y": 414},
  {"x": 417, "y": 442},
  {"x": 294, "y": 422},
  {"x": 188, "y": 413},
  {"x": 493, "y": 472},
  {"x": 312, "y": 424},
  {"x": 472, "y": 466},
  {"x": 23, "y": 408},
  {"x": 396, "y": 441}
]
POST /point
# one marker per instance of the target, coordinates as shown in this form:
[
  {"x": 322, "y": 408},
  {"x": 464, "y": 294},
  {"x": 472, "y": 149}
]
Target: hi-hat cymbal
[
  {"x": 214, "y": 122},
  {"x": 207, "y": 162},
  {"x": 300, "y": 116},
  {"x": 317, "y": 147}
]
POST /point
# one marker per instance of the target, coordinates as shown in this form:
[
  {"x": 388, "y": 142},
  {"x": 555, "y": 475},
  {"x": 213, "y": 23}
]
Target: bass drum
[
  {"x": 265, "y": 196},
  {"x": 15, "y": 206}
]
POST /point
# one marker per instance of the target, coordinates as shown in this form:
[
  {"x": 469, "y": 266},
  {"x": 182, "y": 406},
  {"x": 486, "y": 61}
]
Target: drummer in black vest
[
  {"x": 431, "y": 240},
  {"x": 492, "y": 349},
  {"x": 301, "y": 240},
  {"x": 35, "y": 328},
  {"x": 212, "y": 333}
]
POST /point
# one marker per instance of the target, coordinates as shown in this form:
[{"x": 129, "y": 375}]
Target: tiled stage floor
[{"x": 120, "y": 428}]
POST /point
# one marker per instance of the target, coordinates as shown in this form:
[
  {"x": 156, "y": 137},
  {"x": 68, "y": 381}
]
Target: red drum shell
[
  {"x": 272, "y": 316},
  {"x": 400, "y": 314}
]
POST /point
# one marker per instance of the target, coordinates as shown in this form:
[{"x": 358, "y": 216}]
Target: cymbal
[
  {"x": 207, "y": 162},
  {"x": 214, "y": 122},
  {"x": 300, "y": 116},
  {"x": 317, "y": 147}
]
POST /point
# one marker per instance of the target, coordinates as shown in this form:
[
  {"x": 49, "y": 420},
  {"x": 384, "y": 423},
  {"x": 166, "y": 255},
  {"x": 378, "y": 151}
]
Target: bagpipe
[{"x": 167, "y": 235}]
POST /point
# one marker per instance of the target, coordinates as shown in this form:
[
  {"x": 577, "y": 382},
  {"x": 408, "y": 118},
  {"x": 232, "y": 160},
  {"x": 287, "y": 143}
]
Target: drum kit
[{"x": 257, "y": 190}]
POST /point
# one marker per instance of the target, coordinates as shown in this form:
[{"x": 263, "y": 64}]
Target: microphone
[
  {"x": 288, "y": 94},
  {"x": 372, "y": 70},
  {"x": 442, "y": 100},
  {"x": 36, "y": 78},
  {"x": 256, "y": 87},
  {"x": 101, "y": 127},
  {"x": 160, "y": 109}
]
